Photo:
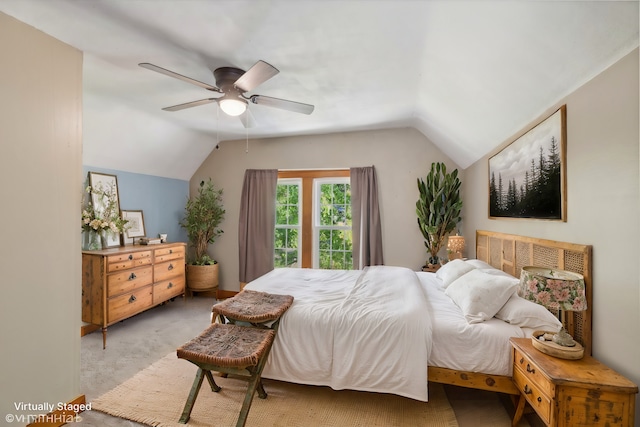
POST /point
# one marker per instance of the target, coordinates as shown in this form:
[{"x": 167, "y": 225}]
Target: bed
[{"x": 405, "y": 325}]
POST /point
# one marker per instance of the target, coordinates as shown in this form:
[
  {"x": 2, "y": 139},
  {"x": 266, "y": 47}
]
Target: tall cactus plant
[{"x": 438, "y": 208}]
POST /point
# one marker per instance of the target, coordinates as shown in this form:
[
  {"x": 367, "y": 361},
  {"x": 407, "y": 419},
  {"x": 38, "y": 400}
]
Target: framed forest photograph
[{"x": 527, "y": 179}]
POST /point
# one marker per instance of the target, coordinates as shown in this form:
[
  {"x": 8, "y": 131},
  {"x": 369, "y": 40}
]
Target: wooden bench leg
[
  {"x": 195, "y": 388},
  {"x": 248, "y": 399},
  {"x": 262, "y": 394},
  {"x": 254, "y": 383},
  {"x": 214, "y": 387}
]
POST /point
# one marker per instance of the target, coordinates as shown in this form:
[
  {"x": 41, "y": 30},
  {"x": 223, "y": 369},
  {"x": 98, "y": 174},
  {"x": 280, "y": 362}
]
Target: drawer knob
[
  {"x": 132, "y": 276},
  {"x": 530, "y": 369},
  {"x": 170, "y": 251},
  {"x": 521, "y": 360},
  {"x": 130, "y": 257},
  {"x": 170, "y": 267},
  {"x": 132, "y": 298},
  {"x": 170, "y": 285},
  {"x": 527, "y": 390},
  {"x": 539, "y": 399}
]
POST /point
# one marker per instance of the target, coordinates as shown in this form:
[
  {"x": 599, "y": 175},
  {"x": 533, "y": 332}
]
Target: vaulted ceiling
[{"x": 467, "y": 74}]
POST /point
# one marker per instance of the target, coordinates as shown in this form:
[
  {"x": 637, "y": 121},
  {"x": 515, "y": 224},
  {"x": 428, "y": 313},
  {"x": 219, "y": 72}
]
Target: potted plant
[
  {"x": 438, "y": 208},
  {"x": 203, "y": 215}
]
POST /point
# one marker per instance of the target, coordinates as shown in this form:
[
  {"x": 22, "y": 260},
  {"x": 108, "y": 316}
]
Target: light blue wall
[{"x": 161, "y": 200}]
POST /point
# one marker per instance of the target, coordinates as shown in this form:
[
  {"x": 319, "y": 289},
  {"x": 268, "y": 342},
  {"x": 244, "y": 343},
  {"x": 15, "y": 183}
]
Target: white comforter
[{"x": 366, "y": 330}]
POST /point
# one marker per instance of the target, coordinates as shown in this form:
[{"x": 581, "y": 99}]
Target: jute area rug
[{"x": 156, "y": 397}]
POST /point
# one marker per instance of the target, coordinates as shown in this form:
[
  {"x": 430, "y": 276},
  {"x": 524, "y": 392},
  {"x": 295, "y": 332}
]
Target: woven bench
[
  {"x": 239, "y": 344},
  {"x": 259, "y": 309},
  {"x": 230, "y": 349}
]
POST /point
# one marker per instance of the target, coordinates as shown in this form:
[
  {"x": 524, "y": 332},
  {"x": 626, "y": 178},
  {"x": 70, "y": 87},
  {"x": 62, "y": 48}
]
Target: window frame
[
  {"x": 316, "y": 226},
  {"x": 298, "y": 182},
  {"x": 307, "y": 177}
]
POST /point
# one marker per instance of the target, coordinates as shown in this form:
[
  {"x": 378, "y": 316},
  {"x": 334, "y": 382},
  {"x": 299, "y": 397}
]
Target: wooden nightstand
[
  {"x": 431, "y": 268},
  {"x": 570, "y": 392}
]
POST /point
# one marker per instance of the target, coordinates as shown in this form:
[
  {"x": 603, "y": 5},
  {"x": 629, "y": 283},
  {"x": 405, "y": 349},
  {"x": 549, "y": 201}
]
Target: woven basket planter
[{"x": 202, "y": 277}]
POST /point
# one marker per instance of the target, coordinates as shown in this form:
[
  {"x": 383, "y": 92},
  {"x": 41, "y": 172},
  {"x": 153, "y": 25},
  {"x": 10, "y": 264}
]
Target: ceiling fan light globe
[{"x": 233, "y": 107}]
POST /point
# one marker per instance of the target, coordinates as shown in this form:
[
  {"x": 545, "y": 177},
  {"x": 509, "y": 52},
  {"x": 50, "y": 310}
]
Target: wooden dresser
[
  {"x": 570, "y": 393},
  {"x": 120, "y": 282}
]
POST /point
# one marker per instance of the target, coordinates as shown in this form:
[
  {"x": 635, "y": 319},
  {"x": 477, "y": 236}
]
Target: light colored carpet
[{"x": 156, "y": 396}]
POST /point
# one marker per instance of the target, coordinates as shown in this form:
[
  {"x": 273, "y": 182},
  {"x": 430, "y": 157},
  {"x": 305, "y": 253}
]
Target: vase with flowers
[{"x": 100, "y": 216}]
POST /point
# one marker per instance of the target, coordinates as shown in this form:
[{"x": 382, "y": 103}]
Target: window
[
  {"x": 313, "y": 220},
  {"x": 288, "y": 221},
  {"x": 332, "y": 224}
]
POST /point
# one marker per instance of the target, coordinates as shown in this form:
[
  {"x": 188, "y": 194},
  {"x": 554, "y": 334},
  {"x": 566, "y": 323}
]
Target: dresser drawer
[
  {"x": 128, "y": 280},
  {"x": 167, "y": 270},
  {"x": 581, "y": 407},
  {"x": 128, "y": 304},
  {"x": 532, "y": 373},
  {"x": 168, "y": 289},
  {"x": 167, "y": 254},
  {"x": 536, "y": 398},
  {"x": 124, "y": 261}
]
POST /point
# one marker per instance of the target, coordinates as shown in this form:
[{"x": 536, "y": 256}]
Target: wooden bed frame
[{"x": 509, "y": 253}]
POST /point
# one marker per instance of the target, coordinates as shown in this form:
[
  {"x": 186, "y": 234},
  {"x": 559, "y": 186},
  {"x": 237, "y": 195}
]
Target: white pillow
[
  {"x": 527, "y": 314},
  {"x": 452, "y": 270},
  {"x": 481, "y": 295},
  {"x": 496, "y": 272},
  {"x": 478, "y": 263}
]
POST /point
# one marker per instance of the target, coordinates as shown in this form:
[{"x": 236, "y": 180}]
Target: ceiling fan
[{"x": 233, "y": 84}]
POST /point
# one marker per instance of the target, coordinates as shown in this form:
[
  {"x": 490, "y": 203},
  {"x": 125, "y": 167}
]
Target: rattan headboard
[{"x": 510, "y": 252}]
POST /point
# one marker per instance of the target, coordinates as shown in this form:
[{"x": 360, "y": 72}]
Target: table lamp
[
  {"x": 557, "y": 290},
  {"x": 455, "y": 246}
]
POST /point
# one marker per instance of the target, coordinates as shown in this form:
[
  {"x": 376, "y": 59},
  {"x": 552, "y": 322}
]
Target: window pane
[
  {"x": 325, "y": 259},
  {"x": 339, "y": 193},
  {"x": 280, "y": 258},
  {"x": 287, "y": 225},
  {"x": 281, "y": 194},
  {"x": 292, "y": 214},
  {"x": 293, "y": 195},
  {"x": 325, "y": 239},
  {"x": 292, "y": 238},
  {"x": 337, "y": 242},
  {"x": 281, "y": 215},
  {"x": 280, "y": 238},
  {"x": 340, "y": 217}
]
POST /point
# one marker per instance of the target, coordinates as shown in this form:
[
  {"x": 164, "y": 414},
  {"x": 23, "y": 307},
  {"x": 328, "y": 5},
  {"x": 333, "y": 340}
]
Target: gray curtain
[
  {"x": 257, "y": 223},
  {"x": 366, "y": 227}
]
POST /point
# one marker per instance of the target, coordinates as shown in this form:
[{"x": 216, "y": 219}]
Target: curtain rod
[{"x": 316, "y": 169}]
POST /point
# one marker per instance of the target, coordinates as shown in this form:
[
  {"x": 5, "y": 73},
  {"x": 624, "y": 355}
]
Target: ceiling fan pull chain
[{"x": 247, "y": 136}]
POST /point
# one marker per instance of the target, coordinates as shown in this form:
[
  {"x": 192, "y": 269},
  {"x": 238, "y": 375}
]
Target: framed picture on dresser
[
  {"x": 135, "y": 226},
  {"x": 107, "y": 184}
]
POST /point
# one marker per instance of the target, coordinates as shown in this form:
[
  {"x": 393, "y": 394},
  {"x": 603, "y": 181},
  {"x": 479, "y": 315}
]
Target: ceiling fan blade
[
  {"x": 296, "y": 107},
  {"x": 259, "y": 73},
  {"x": 247, "y": 119},
  {"x": 178, "y": 76},
  {"x": 189, "y": 104}
]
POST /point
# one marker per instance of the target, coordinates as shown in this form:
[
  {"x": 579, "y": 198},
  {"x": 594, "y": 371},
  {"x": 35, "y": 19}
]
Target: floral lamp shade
[{"x": 555, "y": 289}]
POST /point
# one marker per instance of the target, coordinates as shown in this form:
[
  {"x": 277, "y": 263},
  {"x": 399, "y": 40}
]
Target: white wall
[
  {"x": 40, "y": 193},
  {"x": 400, "y": 157},
  {"x": 603, "y": 207}
]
